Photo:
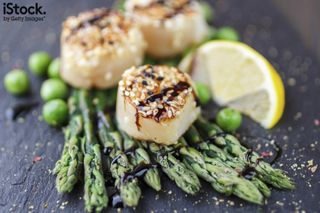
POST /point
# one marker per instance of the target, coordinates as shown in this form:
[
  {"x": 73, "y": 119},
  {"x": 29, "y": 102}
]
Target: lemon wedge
[{"x": 240, "y": 78}]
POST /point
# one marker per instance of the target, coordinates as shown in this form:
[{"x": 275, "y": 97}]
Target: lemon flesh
[{"x": 240, "y": 78}]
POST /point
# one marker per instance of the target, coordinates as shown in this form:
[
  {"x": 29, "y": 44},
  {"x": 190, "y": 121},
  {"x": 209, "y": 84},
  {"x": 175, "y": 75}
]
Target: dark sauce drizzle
[
  {"x": 278, "y": 154},
  {"x": 22, "y": 108},
  {"x": 102, "y": 120},
  {"x": 250, "y": 171},
  {"x": 107, "y": 150},
  {"x": 266, "y": 145},
  {"x": 89, "y": 22},
  {"x": 137, "y": 122},
  {"x": 116, "y": 201},
  {"x": 138, "y": 172},
  {"x": 114, "y": 160},
  {"x": 175, "y": 11},
  {"x": 130, "y": 152},
  {"x": 177, "y": 89},
  {"x": 92, "y": 21}
]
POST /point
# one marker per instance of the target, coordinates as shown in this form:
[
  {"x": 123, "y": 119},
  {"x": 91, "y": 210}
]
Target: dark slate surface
[{"x": 27, "y": 186}]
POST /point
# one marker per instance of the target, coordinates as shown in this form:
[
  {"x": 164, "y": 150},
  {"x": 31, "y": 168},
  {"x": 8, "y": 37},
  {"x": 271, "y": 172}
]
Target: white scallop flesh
[{"x": 156, "y": 103}]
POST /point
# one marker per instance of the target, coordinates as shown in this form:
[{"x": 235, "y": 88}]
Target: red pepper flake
[
  {"x": 316, "y": 122},
  {"x": 36, "y": 159},
  {"x": 266, "y": 154}
]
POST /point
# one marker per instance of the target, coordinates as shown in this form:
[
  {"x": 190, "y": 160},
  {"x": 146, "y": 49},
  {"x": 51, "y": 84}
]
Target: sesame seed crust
[
  {"x": 101, "y": 29},
  {"x": 169, "y": 26},
  {"x": 157, "y": 92},
  {"x": 97, "y": 46},
  {"x": 162, "y": 9}
]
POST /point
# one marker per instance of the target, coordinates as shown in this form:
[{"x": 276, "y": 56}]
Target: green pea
[
  {"x": 207, "y": 11},
  {"x": 16, "y": 82},
  {"x": 120, "y": 5},
  {"x": 227, "y": 33},
  {"x": 211, "y": 34},
  {"x": 53, "y": 89},
  {"x": 39, "y": 63},
  {"x": 55, "y": 112},
  {"x": 203, "y": 92},
  {"x": 54, "y": 69},
  {"x": 229, "y": 119}
]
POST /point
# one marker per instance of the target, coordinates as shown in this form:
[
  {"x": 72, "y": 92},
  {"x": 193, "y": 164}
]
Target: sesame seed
[{"x": 156, "y": 88}]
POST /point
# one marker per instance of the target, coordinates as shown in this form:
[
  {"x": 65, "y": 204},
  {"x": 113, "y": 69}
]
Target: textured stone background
[{"x": 27, "y": 186}]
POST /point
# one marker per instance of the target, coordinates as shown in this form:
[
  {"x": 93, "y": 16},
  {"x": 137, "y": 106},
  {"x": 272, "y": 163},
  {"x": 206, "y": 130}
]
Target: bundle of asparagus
[
  {"x": 130, "y": 191},
  {"x": 222, "y": 178},
  {"x": 204, "y": 151},
  {"x": 210, "y": 151},
  {"x": 244, "y": 156},
  {"x": 185, "y": 178},
  {"x": 126, "y": 158}
]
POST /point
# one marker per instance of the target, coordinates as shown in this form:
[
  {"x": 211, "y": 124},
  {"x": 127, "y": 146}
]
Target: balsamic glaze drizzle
[
  {"x": 116, "y": 201},
  {"x": 92, "y": 21},
  {"x": 250, "y": 171},
  {"x": 138, "y": 172},
  {"x": 102, "y": 120},
  {"x": 177, "y": 89},
  {"x": 173, "y": 13},
  {"x": 114, "y": 160},
  {"x": 21, "y": 108}
]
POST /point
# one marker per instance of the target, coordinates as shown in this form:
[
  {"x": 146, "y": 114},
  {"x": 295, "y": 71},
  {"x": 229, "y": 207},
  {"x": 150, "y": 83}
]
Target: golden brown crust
[
  {"x": 164, "y": 9},
  {"x": 98, "y": 28},
  {"x": 157, "y": 92}
]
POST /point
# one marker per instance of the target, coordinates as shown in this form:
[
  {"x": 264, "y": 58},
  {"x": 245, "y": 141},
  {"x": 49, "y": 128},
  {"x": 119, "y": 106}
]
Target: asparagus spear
[
  {"x": 185, "y": 178},
  {"x": 120, "y": 166},
  {"x": 231, "y": 145},
  {"x": 222, "y": 177},
  {"x": 141, "y": 157},
  {"x": 68, "y": 167},
  {"x": 212, "y": 151},
  {"x": 95, "y": 194}
]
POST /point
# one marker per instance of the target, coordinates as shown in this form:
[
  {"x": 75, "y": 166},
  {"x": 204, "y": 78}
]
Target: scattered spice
[
  {"x": 19, "y": 109},
  {"x": 36, "y": 159},
  {"x": 314, "y": 168},
  {"x": 265, "y": 154},
  {"x": 311, "y": 166}
]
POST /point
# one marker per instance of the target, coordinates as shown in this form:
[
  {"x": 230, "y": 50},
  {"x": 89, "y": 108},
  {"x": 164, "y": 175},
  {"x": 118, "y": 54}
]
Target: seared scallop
[
  {"x": 97, "y": 46},
  {"x": 156, "y": 103},
  {"x": 169, "y": 26}
]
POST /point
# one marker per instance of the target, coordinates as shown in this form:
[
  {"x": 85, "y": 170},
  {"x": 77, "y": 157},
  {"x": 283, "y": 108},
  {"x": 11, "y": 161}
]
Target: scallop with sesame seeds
[
  {"x": 160, "y": 112},
  {"x": 97, "y": 46},
  {"x": 169, "y": 26}
]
